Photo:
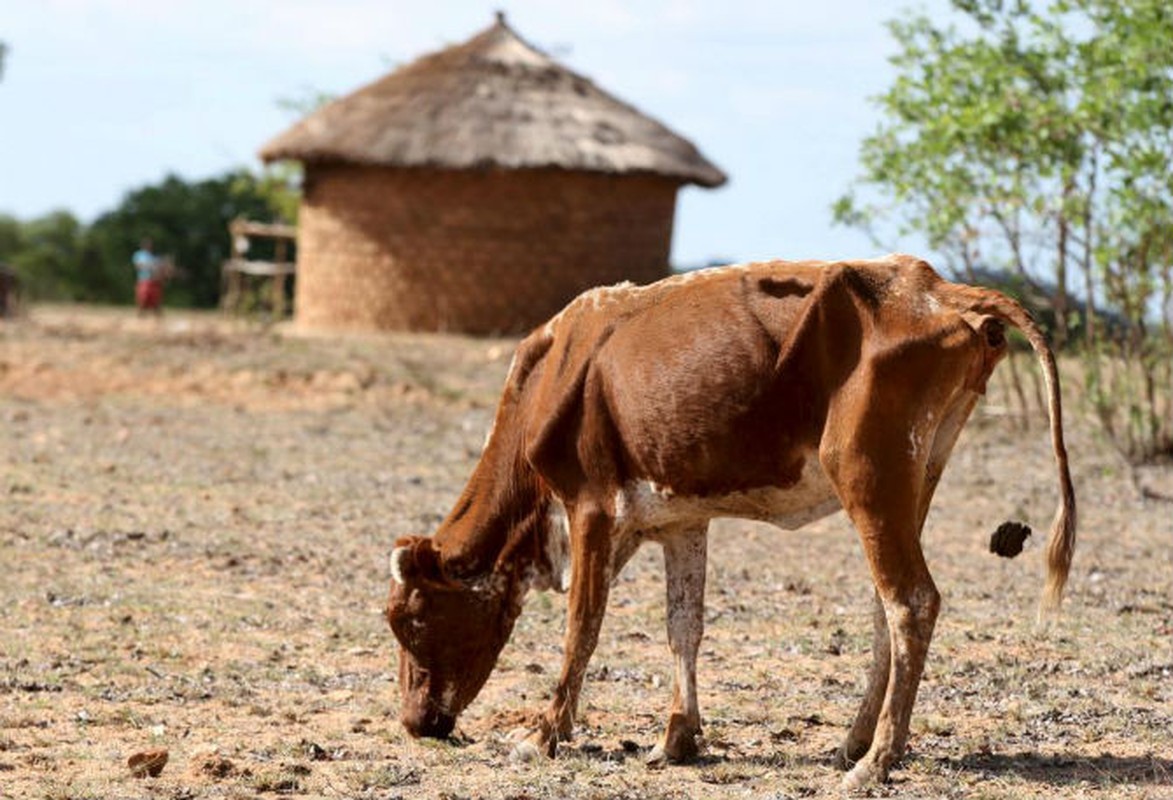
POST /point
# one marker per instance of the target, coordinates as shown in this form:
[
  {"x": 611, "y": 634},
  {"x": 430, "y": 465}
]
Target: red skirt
[{"x": 148, "y": 295}]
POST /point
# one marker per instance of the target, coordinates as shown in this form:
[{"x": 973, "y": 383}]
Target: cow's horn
[{"x": 397, "y": 563}]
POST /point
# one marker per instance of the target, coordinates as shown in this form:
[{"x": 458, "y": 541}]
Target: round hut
[{"x": 478, "y": 189}]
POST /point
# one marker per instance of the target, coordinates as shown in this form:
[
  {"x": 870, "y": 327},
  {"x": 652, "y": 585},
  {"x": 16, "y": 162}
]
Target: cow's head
[{"x": 450, "y": 634}]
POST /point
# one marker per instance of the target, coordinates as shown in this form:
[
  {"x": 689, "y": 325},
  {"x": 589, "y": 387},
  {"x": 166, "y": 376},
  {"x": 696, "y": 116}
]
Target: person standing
[{"x": 148, "y": 288}]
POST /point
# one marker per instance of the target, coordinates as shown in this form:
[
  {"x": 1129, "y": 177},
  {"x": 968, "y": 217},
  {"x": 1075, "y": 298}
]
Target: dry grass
[{"x": 193, "y": 535}]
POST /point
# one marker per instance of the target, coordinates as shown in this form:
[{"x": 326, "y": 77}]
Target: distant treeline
[{"x": 57, "y": 257}]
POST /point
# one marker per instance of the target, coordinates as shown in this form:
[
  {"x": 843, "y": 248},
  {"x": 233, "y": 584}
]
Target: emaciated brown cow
[{"x": 771, "y": 391}]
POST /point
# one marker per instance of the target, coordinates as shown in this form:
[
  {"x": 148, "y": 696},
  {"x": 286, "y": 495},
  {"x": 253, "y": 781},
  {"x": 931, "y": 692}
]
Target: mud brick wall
[{"x": 479, "y": 252}]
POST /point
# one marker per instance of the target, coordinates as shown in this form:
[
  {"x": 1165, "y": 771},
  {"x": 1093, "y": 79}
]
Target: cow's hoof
[
  {"x": 850, "y": 753},
  {"x": 863, "y": 775},
  {"x": 678, "y": 748},
  {"x": 657, "y": 758},
  {"x": 543, "y": 741}
]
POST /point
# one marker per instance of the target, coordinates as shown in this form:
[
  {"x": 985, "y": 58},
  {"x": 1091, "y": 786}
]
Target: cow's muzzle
[{"x": 427, "y": 722}]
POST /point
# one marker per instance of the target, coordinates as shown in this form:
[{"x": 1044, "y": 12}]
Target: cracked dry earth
[{"x": 194, "y": 526}]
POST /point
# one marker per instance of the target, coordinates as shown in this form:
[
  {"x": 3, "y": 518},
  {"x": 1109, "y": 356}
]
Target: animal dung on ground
[
  {"x": 148, "y": 762},
  {"x": 1007, "y": 540},
  {"x": 215, "y": 766}
]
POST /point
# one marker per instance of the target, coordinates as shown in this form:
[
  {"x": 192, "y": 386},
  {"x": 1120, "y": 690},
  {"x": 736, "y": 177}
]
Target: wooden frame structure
[{"x": 242, "y": 279}]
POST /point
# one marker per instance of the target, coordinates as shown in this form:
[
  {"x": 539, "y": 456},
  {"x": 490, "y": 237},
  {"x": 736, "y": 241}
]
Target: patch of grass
[
  {"x": 382, "y": 776},
  {"x": 285, "y": 779}
]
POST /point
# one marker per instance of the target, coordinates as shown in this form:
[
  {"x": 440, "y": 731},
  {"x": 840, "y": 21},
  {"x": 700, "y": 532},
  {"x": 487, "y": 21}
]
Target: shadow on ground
[{"x": 1105, "y": 769}]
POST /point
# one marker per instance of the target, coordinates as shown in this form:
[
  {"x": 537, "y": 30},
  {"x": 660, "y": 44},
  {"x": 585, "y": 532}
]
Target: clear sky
[{"x": 102, "y": 96}]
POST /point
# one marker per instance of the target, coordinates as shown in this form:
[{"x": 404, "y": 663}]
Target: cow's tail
[{"x": 1061, "y": 545}]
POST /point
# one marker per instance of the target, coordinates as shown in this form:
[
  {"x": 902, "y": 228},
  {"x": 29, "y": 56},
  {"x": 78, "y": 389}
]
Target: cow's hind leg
[
  {"x": 859, "y": 739},
  {"x": 590, "y": 578},
  {"x": 862, "y": 730},
  {"x": 884, "y": 502},
  {"x": 910, "y": 602},
  {"x": 685, "y": 556}
]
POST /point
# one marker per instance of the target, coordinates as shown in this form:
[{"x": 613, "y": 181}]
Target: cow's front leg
[
  {"x": 859, "y": 739},
  {"x": 590, "y": 578},
  {"x": 685, "y": 556}
]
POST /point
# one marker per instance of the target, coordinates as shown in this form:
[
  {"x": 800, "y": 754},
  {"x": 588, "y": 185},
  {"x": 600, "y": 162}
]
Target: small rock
[
  {"x": 148, "y": 762},
  {"x": 524, "y": 753}
]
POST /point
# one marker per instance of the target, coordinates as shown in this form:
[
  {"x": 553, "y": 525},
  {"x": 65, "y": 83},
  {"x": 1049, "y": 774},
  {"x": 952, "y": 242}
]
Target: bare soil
[{"x": 194, "y": 528}]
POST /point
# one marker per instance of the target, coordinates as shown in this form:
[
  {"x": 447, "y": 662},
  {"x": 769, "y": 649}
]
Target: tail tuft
[{"x": 1060, "y": 550}]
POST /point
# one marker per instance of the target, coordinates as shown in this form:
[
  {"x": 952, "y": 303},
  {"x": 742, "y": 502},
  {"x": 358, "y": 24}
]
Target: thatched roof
[{"x": 494, "y": 101}]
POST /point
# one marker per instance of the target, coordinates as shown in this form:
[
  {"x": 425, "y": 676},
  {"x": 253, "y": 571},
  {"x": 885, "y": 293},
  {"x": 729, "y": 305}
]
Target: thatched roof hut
[{"x": 479, "y": 188}]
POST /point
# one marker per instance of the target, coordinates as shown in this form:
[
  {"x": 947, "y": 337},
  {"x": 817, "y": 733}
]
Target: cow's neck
[{"x": 499, "y": 528}]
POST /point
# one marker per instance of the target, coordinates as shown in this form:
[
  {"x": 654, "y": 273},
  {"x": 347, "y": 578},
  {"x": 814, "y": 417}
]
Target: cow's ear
[
  {"x": 992, "y": 329},
  {"x": 416, "y": 559}
]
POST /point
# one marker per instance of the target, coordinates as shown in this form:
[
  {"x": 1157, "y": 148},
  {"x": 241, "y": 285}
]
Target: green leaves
[
  {"x": 1037, "y": 138},
  {"x": 59, "y": 258},
  {"x": 189, "y": 222}
]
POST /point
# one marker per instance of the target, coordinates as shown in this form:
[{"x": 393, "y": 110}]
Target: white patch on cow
[
  {"x": 948, "y": 429},
  {"x": 597, "y": 298},
  {"x": 620, "y": 509},
  {"x": 555, "y": 576},
  {"x": 396, "y": 562},
  {"x": 915, "y": 440},
  {"x": 922, "y": 600},
  {"x": 685, "y": 556},
  {"x": 509, "y": 379},
  {"x": 558, "y": 546},
  {"x": 602, "y": 296},
  {"x": 924, "y": 431},
  {"x": 694, "y": 275},
  {"x": 645, "y": 504},
  {"x": 448, "y": 700},
  {"x": 911, "y": 621}
]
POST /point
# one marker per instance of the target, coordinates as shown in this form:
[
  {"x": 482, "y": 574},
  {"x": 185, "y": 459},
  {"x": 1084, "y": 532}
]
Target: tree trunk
[
  {"x": 1060, "y": 298},
  {"x": 1089, "y": 286}
]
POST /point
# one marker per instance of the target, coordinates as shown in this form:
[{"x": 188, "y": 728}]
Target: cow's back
[{"x": 718, "y": 381}]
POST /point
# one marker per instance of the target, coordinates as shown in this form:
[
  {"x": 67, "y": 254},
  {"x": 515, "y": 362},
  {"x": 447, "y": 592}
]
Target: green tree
[
  {"x": 47, "y": 251},
  {"x": 976, "y": 144},
  {"x": 11, "y": 237},
  {"x": 186, "y": 221},
  {"x": 1127, "y": 105},
  {"x": 1035, "y": 137}
]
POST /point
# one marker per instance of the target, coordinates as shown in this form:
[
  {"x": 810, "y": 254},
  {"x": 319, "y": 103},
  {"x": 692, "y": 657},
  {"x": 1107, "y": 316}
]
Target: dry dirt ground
[{"x": 194, "y": 528}]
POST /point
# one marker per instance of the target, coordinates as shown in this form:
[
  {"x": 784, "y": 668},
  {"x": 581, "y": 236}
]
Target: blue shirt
[{"x": 145, "y": 263}]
